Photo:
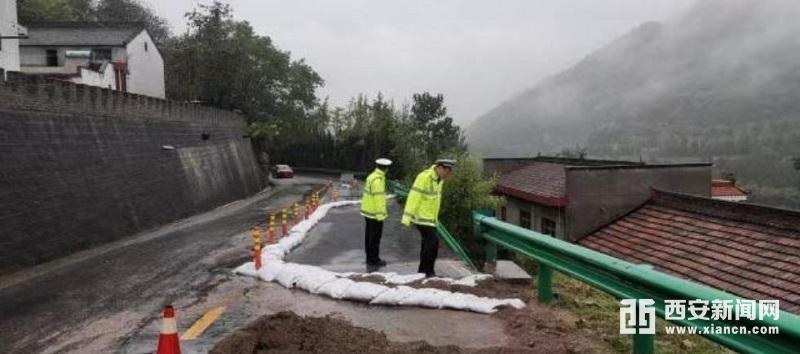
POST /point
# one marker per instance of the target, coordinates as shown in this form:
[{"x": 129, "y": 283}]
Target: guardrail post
[
  {"x": 490, "y": 264},
  {"x": 644, "y": 343},
  {"x": 544, "y": 283}
]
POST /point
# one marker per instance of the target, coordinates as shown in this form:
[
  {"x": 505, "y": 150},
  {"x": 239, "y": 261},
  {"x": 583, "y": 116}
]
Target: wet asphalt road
[
  {"x": 96, "y": 301},
  {"x": 337, "y": 244}
]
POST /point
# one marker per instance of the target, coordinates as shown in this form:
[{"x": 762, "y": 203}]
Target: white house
[
  {"x": 10, "y": 32},
  {"x": 119, "y": 56}
]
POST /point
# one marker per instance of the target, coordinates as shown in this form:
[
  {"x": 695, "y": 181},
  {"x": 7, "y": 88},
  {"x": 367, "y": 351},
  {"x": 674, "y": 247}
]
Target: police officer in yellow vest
[
  {"x": 373, "y": 208},
  {"x": 422, "y": 210}
]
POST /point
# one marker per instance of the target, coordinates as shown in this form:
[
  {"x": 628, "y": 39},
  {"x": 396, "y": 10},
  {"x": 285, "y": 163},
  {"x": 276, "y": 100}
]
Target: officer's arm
[
  {"x": 368, "y": 186},
  {"x": 380, "y": 187},
  {"x": 412, "y": 202}
]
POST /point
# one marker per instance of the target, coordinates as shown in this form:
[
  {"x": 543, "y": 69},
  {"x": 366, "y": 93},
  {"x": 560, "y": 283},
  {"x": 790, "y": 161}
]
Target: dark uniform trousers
[
  {"x": 372, "y": 240},
  {"x": 429, "y": 250}
]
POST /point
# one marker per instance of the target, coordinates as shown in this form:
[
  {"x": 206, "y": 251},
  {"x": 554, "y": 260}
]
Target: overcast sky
[{"x": 477, "y": 53}]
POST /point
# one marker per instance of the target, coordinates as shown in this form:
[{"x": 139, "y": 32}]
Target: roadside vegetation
[{"x": 598, "y": 310}]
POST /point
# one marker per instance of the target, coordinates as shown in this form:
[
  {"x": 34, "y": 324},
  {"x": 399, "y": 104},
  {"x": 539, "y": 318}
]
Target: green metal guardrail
[
  {"x": 402, "y": 192},
  {"x": 626, "y": 280}
]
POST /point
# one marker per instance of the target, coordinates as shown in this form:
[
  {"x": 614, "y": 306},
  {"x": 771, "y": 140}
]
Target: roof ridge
[
  {"x": 787, "y": 219},
  {"x": 85, "y": 24},
  {"x": 566, "y": 160},
  {"x": 643, "y": 166}
]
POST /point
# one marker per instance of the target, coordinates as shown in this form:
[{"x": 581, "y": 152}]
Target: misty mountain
[{"x": 721, "y": 83}]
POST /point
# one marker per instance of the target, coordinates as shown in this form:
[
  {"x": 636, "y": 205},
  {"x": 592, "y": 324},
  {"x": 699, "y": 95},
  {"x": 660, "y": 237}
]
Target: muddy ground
[
  {"x": 491, "y": 287},
  {"x": 535, "y": 329}
]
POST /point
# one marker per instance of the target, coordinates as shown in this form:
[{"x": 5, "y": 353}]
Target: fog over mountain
[{"x": 721, "y": 84}]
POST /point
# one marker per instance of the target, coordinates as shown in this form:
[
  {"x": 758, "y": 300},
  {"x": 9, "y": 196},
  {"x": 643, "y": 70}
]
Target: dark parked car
[{"x": 282, "y": 171}]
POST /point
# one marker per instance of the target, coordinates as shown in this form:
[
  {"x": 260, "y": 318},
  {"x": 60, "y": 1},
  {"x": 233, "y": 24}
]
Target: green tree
[
  {"x": 467, "y": 189},
  {"x": 221, "y": 62},
  {"x": 54, "y": 10},
  {"x": 131, "y": 11},
  {"x": 88, "y": 11},
  {"x": 434, "y": 126}
]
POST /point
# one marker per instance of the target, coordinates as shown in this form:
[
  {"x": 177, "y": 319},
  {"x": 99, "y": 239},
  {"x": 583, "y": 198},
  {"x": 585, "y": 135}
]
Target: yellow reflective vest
[
  {"x": 373, "y": 199},
  {"x": 424, "y": 200}
]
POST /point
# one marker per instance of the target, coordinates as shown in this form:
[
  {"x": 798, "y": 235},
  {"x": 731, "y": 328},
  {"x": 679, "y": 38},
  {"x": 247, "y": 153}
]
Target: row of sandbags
[{"x": 339, "y": 285}]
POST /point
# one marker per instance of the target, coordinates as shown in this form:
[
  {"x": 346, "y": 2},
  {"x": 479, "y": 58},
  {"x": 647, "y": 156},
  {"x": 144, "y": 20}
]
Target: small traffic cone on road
[
  {"x": 284, "y": 223},
  {"x": 271, "y": 234},
  {"x": 168, "y": 342},
  {"x": 256, "y": 247}
]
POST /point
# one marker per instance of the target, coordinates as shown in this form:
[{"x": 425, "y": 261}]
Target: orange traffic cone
[{"x": 168, "y": 342}]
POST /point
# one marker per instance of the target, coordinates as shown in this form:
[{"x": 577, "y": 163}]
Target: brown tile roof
[
  {"x": 540, "y": 182},
  {"x": 725, "y": 188},
  {"x": 748, "y": 250}
]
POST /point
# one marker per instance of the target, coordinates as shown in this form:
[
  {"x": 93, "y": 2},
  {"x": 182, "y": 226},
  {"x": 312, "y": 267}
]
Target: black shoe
[
  {"x": 379, "y": 263},
  {"x": 372, "y": 268},
  {"x": 430, "y": 275}
]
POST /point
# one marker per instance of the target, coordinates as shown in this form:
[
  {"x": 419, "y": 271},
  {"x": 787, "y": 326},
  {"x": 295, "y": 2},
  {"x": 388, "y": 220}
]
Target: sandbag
[
  {"x": 471, "y": 280},
  {"x": 248, "y": 269},
  {"x": 363, "y": 291},
  {"x": 457, "y": 301},
  {"x": 290, "y": 273},
  {"x": 393, "y": 296},
  {"x": 336, "y": 288},
  {"x": 312, "y": 281},
  {"x": 432, "y": 298},
  {"x": 393, "y": 278},
  {"x": 270, "y": 269}
]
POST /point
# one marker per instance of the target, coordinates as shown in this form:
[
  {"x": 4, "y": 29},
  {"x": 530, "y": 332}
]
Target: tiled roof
[
  {"x": 539, "y": 182},
  {"x": 744, "y": 249},
  {"x": 567, "y": 161},
  {"x": 80, "y": 34},
  {"x": 725, "y": 188}
]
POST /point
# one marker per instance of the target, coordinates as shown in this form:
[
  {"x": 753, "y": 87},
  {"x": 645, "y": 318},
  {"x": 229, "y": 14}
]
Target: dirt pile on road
[
  {"x": 544, "y": 329},
  {"x": 535, "y": 329},
  {"x": 287, "y": 332}
]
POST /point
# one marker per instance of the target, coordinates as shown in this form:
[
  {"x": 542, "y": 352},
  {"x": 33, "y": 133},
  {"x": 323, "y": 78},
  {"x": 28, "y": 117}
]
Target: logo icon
[{"x": 637, "y": 316}]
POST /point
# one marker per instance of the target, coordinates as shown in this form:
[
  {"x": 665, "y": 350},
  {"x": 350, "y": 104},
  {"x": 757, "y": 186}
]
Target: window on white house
[
  {"x": 52, "y": 57},
  {"x": 145, "y": 46},
  {"x": 102, "y": 54}
]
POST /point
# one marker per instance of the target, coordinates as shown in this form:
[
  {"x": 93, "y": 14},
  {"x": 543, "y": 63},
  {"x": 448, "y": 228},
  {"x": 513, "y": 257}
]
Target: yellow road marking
[{"x": 203, "y": 323}]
